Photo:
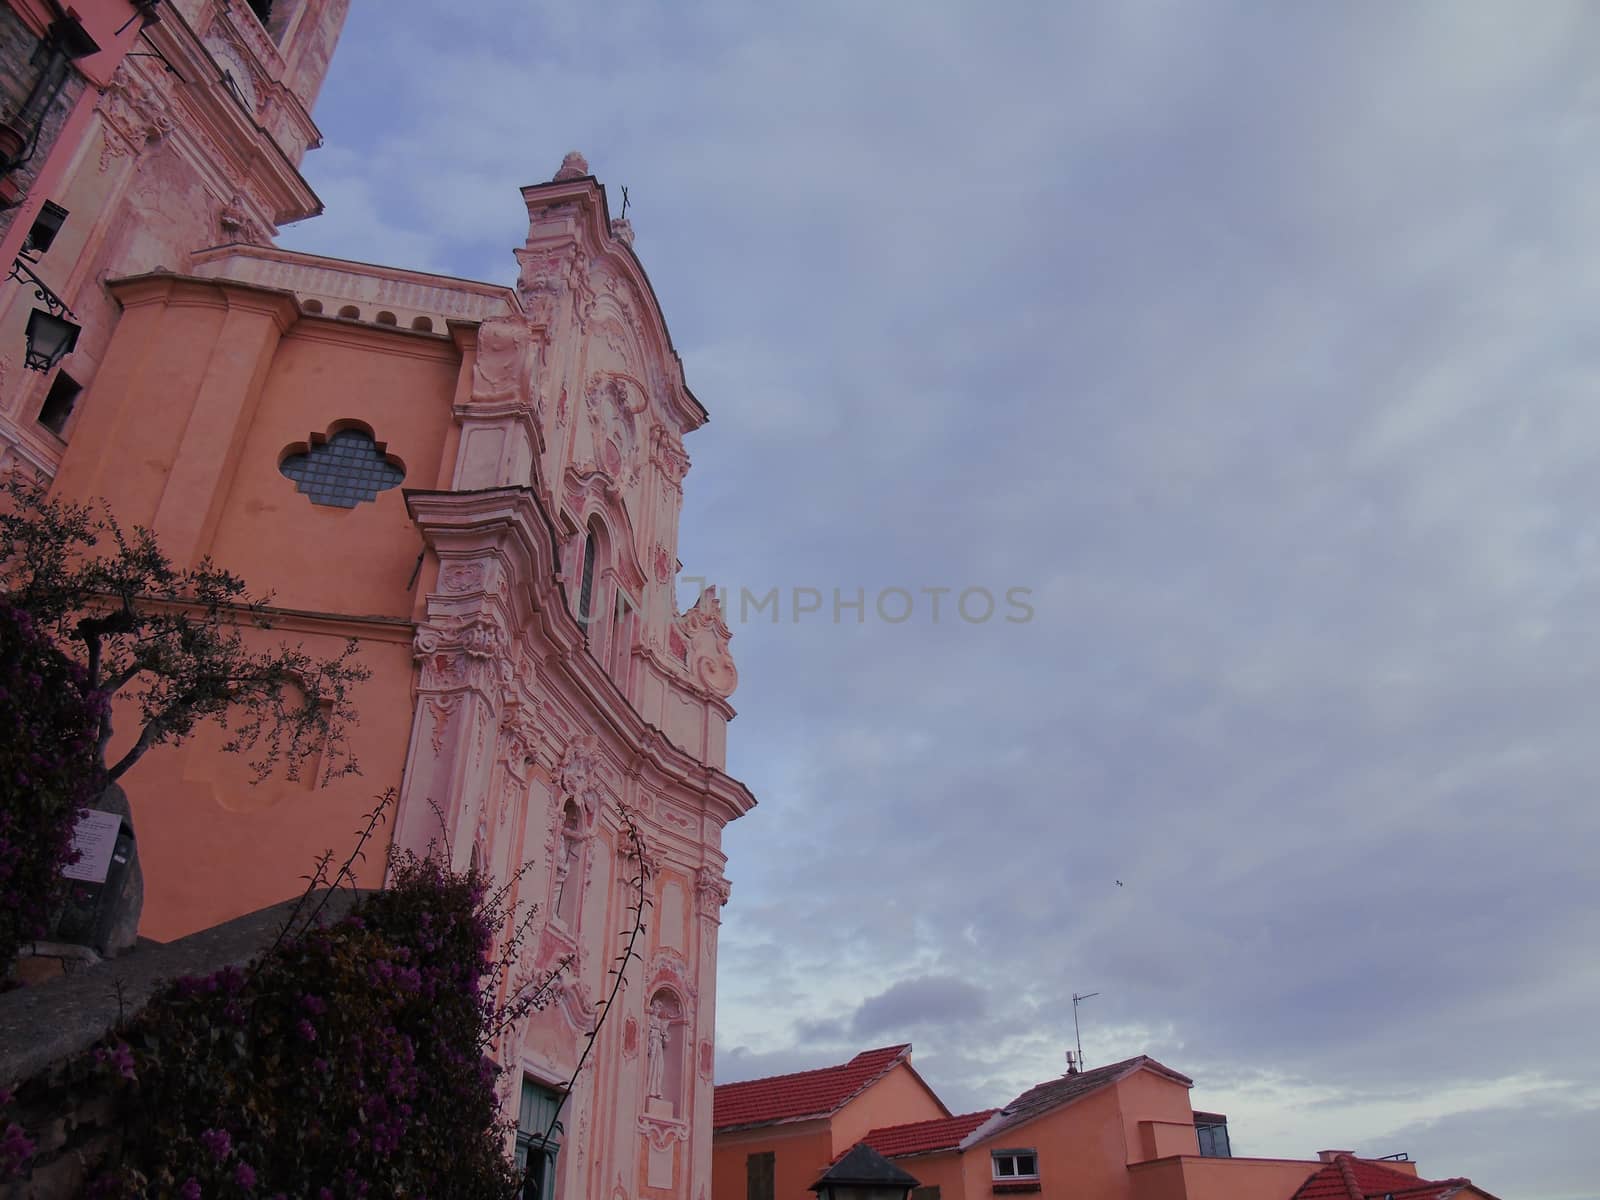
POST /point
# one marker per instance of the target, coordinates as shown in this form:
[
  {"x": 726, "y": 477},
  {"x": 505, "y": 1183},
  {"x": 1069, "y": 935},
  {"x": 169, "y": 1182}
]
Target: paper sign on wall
[{"x": 94, "y": 838}]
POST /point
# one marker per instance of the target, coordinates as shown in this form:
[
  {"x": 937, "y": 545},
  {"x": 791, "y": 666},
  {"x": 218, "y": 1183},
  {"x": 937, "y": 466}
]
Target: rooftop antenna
[
  {"x": 624, "y": 213},
  {"x": 1076, "y": 998}
]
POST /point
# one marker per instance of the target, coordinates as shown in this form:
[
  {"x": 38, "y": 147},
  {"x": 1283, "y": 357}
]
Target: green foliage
[
  {"x": 48, "y": 771},
  {"x": 169, "y": 639}
]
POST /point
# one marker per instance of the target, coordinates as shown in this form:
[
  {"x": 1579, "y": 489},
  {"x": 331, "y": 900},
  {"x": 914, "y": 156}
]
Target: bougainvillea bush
[
  {"x": 49, "y": 769},
  {"x": 347, "y": 1063}
]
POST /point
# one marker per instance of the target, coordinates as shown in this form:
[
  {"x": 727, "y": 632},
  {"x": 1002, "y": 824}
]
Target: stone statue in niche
[
  {"x": 237, "y": 225},
  {"x": 506, "y": 360},
  {"x": 656, "y": 1048}
]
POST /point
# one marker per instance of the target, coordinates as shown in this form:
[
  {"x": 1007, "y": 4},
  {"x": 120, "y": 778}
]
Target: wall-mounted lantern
[
  {"x": 51, "y": 331},
  {"x": 50, "y": 339},
  {"x": 864, "y": 1174}
]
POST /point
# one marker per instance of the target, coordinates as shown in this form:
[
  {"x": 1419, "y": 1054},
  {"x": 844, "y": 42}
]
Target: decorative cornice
[
  {"x": 454, "y": 299},
  {"x": 167, "y": 287}
]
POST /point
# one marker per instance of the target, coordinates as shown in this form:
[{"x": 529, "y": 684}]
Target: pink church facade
[{"x": 480, "y": 485}]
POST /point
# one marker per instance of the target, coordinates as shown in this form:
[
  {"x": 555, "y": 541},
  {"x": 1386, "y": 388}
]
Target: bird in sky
[{"x": 1119, "y": 883}]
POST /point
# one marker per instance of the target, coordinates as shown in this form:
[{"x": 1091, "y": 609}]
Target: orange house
[
  {"x": 1124, "y": 1131},
  {"x": 772, "y": 1137}
]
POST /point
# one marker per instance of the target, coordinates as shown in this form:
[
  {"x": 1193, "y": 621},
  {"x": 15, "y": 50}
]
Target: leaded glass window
[{"x": 343, "y": 471}]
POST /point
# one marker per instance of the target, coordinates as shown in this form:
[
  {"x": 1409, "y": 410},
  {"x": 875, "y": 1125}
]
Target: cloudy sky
[{"x": 1258, "y": 343}]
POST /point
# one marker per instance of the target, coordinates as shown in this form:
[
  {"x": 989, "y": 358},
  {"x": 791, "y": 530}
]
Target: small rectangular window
[
  {"x": 1012, "y": 1165},
  {"x": 759, "y": 1174},
  {"x": 925, "y": 1193},
  {"x": 45, "y": 227},
  {"x": 1213, "y": 1138},
  {"x": 59, "y": 403}
]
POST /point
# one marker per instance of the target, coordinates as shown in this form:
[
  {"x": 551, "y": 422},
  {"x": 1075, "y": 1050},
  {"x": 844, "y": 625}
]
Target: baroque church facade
[{"x": 480, "y": 485}]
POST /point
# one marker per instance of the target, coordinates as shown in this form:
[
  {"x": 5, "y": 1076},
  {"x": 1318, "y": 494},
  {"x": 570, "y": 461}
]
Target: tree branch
[{"x": 148, "y": 736}]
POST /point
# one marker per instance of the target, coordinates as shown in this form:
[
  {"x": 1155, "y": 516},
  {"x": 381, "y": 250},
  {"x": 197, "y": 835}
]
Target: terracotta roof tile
[
  {"x": 1055, "y": 1092},
  {"x": 1350, "y": 1178},
  {"x": 924, "y": 1137},
  {"x": 803, "y": 1094}
]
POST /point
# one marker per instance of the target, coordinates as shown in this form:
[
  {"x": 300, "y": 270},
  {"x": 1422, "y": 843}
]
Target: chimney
[
  {"x": 1072, "y": 1063},
  {"x": 1334, "y": 1155}
]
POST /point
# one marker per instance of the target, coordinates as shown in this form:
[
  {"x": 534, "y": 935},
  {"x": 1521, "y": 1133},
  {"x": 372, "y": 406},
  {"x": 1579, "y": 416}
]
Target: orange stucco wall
[
  {"x": 943, "y": 1171},
  {"x": 1156, "y": 1117},
  {"x": 320, "y": 375},
  {"x": 218, "y": 845},
  {"x": 187, "y": 439},
  {"x": 802, "y": 1151},
  {"x": 896, "y": 1099},
  {"x": 1080, "y": 1147},
  {"x": 1195, "y": 1178}
]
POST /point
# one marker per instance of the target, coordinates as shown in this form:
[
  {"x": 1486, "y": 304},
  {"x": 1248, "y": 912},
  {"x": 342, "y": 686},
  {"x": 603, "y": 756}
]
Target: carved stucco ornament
[
  {"x": 235, "y": 224},
  {"x": 506, "y": 361},
  {"x": 135, "y": 114},
  {"x": 579, "y": 776},
  {"x": 707, "y": 636},
  {"x": 711, "y": 891},
  {"x": 668, "y": 454},
  {"x": 459, "y": 652},
  {"x": 546, "y": 272},
  {"x": 612, "y": 425}
]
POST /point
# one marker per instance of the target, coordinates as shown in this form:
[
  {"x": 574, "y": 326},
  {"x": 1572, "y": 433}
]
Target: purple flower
[
  {"x": 218, "y": 1142},
  {"x": 16, "y": 1147},
  {"x": 190, "y": 1189},
  {"x": 119, "y": 1059},
  {"x": 244, "y": 1175},
  {"x": 306, "y": 1030}
]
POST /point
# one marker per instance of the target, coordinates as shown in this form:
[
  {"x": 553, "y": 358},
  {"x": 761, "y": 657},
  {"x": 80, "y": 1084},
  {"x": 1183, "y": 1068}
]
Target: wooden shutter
[{"x": 759, "y": 1176}]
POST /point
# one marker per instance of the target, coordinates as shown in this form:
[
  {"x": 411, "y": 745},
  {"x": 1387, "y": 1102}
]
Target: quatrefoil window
[{"x": 342, "y": 469}]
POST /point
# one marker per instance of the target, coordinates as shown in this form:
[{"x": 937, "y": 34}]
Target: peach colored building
[
  {"x": 1119, "y": 1132},
  {"x": 479, "y": 484},
  {"x": 775, "y": 1136}
]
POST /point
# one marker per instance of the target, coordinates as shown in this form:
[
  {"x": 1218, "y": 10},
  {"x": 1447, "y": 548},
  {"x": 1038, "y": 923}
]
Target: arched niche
[{"x": 666, "y": 1040}]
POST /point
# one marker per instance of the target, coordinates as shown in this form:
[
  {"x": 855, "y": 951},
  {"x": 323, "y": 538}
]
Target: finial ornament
[{"x": 573, "y": 166}]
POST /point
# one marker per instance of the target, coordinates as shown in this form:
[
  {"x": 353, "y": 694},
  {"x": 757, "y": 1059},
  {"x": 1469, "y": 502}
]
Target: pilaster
[{"x": 475, "y": 677}]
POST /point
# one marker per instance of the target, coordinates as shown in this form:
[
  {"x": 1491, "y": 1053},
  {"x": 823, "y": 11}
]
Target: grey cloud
[{"x": 929, "y": 1000}]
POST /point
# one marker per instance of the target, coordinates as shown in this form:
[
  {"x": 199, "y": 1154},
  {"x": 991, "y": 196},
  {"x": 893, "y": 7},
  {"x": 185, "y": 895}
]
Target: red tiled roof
[
  {"x": 1350, "y": 1178},
  {"x": 803, "y": 1094},
  {"x": 923, "y": 1137}
]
